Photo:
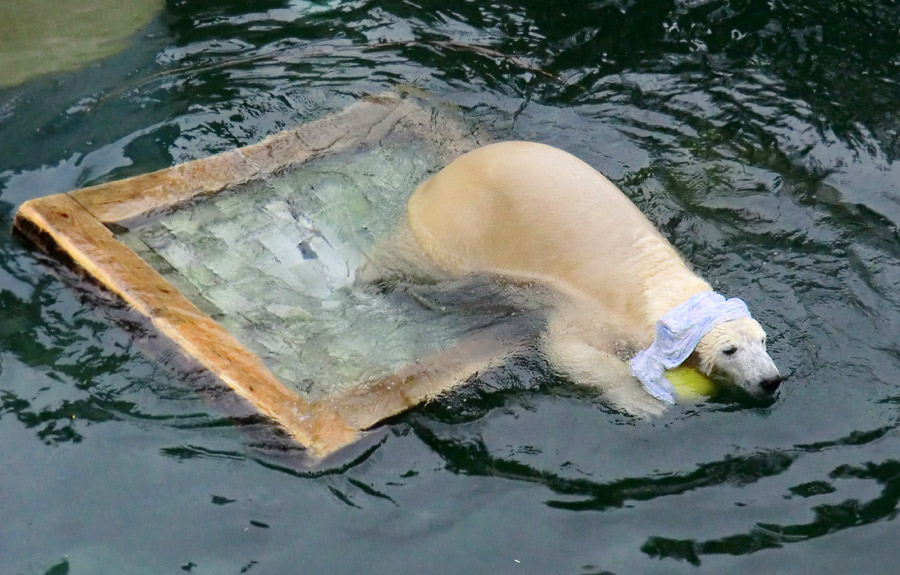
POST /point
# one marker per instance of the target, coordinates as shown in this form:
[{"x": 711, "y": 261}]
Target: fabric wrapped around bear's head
[{"x": 677, "y": 334}]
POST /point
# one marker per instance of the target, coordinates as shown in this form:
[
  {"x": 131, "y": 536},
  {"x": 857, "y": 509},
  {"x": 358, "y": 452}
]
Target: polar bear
[{"x": 529, "y": 212}]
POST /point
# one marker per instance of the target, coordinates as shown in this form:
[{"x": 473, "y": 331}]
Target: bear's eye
[{"x": 729, "y": 351}]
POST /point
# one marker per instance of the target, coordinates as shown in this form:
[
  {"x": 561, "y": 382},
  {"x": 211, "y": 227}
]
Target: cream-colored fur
[{"x": 530, "y": 212}]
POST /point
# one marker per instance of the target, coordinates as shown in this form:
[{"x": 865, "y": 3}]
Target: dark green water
[{"x": 761, "y": 137}]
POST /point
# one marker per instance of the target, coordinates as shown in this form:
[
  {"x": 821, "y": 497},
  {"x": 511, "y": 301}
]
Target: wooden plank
[
  {"x": 368, "y": 403},
  {"x": 141, "y": 196},
  {"x": 92, "y": 247}
]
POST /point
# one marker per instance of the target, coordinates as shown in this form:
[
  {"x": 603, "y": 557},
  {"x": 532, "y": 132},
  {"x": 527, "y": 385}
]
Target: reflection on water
[
  {"x": 582, "y": 493},
  {"x": 829, "y": 518},
  {"x": 762, "y": 138}
]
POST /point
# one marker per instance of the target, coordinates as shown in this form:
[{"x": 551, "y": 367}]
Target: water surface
[{"x": 762, "y": 139}]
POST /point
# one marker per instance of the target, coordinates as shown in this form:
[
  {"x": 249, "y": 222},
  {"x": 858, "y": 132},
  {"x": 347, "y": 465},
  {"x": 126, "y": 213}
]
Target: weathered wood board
[{"x": 77, "y": 225}]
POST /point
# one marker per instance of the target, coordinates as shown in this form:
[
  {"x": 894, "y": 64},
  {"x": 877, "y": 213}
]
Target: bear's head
[{"x": 736, "y": 351}]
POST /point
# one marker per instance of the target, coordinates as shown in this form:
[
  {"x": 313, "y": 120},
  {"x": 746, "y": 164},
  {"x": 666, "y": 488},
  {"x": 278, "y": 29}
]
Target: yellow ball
[{"x": 690, "y": 383}]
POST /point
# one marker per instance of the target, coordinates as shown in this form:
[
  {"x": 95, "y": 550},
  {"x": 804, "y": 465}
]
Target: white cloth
[{"x": 677, "y": 334}]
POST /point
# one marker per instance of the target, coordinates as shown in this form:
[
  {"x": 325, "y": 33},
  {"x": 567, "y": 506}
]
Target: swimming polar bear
[{"x": 528, "y": 212}]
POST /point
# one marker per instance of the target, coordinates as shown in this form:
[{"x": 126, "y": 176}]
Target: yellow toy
[{"x": 690, "y": 383}]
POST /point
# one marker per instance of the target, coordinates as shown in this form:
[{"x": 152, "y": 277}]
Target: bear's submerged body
[{"x": 529, "y": 212}]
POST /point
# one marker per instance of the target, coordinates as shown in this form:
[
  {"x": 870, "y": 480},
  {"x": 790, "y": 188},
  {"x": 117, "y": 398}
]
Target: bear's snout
[{"x": 771, "y": 384}]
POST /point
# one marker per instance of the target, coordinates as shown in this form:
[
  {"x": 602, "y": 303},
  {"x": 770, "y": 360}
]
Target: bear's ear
[
  {"x": 703, "y": 358},
  {"x": 694, "y": 360}
]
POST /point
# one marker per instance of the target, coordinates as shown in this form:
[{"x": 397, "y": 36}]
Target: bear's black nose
[{"x": 771, "y": 384}]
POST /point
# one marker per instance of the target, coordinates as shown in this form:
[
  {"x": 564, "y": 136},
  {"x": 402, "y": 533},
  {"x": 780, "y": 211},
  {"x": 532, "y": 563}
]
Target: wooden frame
[{"x": 77, "y": 224}]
